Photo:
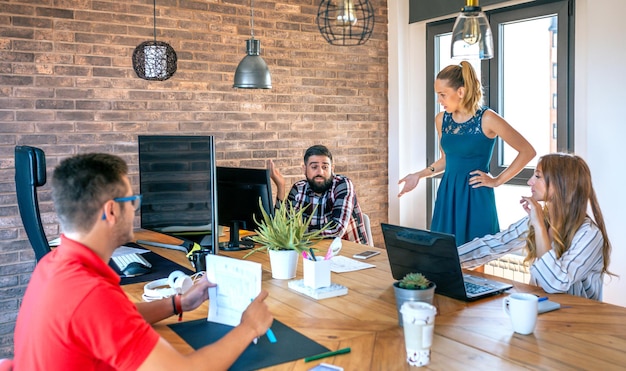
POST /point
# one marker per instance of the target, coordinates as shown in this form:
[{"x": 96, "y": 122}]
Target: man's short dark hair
[
  {"x": 81, "y": 184},
  {"x": 317, "y": 150}
]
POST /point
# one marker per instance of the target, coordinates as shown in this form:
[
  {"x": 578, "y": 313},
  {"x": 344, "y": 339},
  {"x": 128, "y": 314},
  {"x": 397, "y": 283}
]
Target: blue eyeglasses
[{"x": 134, "y": 200}]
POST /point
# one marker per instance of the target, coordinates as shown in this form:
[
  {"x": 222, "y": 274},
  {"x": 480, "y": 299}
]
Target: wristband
[{"x": 178, "y": 306}]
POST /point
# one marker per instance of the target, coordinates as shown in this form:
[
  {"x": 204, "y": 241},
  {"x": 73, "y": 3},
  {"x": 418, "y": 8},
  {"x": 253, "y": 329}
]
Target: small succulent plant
[{"x": 414, "y": 281}]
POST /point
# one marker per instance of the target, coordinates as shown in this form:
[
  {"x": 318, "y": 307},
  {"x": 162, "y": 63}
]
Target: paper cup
[{"x": 419, "y": 326}]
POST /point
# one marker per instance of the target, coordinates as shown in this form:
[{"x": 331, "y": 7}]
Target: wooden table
[{"x": 583, "y": 334}]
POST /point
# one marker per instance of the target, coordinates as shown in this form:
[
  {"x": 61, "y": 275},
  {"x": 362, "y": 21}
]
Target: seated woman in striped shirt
[{"x": 568, "y": 250}]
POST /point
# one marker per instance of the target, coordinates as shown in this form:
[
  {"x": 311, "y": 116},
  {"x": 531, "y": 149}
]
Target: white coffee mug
[{"x": 522, "y": 309}]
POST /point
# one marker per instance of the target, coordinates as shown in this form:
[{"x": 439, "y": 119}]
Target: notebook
[{"x": 435, "y": 255}]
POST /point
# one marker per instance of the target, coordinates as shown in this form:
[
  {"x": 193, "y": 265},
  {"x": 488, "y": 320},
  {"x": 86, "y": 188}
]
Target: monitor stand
[
  {"x": 207, "y": 243},
  {"x": 205, "y": 240},
  {"x": 234, "y": 244}
]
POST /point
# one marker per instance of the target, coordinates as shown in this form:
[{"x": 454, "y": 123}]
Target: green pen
[{"x": 327, "y": 354}]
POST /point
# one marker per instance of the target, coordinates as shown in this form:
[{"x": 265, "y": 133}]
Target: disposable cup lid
[{"x": 418, "y": 309}]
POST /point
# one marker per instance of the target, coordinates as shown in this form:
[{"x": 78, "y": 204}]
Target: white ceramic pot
[{"x": 283, "y": 263}]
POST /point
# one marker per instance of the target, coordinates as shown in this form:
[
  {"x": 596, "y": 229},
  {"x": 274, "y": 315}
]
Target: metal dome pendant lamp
[
  {"x": 154, "y": 60},
  {"x": 346, "y": 22},
  {"x": 252, "y": 71},
  {"x": 471, "y": 34}
]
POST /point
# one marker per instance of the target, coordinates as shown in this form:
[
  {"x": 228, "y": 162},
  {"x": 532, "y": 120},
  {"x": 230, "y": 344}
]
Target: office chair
[
  {"x": 368, "y": 229},
  {"x": 30, "y": 173}
]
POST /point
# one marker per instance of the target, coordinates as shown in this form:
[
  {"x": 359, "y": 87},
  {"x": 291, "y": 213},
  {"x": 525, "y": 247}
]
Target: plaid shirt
[{"x": 337, "y": 204}]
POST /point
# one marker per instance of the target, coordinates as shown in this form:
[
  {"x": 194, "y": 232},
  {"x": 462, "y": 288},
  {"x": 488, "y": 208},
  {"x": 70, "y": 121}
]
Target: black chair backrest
[{"x": 30, "y": 173}]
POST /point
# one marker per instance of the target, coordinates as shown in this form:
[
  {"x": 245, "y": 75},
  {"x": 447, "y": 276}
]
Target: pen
[
  {"x": 327, "y": 354},
  {"x": 270, "y": 335},
  {"x": 312, "y": 254},
  {"x": 543, "y": 298},
  {"x": 329, "y": 254}
]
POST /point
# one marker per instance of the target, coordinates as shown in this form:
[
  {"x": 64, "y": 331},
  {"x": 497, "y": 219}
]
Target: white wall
[
  {"x": 600, "y": 125},
  {"x": 600, "y": 129},
  {"x": 407, "y": 128}
]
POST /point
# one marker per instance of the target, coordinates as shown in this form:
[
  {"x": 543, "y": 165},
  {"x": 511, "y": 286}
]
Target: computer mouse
[{"x": 136, "y": 269}]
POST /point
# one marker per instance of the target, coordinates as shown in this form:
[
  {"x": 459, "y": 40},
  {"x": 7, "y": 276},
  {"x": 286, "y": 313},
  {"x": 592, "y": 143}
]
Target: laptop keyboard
[
  {"x": 123, "y": 260},
  {"x": 473, "y": 289}
]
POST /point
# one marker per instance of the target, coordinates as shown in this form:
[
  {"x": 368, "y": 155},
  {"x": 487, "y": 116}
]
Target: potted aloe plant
[
  {"x": 285, "y": 236},
  {"x": 413, "y": 287}
]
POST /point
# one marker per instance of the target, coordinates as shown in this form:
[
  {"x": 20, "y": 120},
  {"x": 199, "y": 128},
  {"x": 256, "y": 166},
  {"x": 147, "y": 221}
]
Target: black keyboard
[{"x": 472, "y": 288}]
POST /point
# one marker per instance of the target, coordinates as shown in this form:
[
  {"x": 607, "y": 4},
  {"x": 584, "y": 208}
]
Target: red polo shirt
[{"x": 75, "y": 316}]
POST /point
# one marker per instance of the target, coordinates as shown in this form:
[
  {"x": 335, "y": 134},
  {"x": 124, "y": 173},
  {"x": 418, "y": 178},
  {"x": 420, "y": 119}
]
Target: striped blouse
[{"x": 577, "y": 272}]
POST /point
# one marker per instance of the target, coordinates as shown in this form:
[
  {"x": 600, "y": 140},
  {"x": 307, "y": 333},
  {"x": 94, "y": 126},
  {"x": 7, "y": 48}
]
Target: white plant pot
[{"x": 283, "y": 263}]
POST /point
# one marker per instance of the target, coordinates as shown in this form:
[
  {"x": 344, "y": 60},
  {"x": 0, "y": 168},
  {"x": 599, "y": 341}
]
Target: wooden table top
[{"x": 583, "y": 334}]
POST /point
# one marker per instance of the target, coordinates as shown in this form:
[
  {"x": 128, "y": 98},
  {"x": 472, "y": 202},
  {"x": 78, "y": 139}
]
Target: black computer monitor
[
  {"x": 177, "y": 181},
  {"x": 238, "y": 193}
]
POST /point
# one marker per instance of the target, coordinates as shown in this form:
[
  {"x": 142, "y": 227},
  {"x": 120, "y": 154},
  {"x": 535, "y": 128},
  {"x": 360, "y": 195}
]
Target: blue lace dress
[{"x": 460, "y": 209}]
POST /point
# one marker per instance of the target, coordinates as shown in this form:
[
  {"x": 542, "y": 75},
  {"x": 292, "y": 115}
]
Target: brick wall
[{"x": 67, "y": 85}]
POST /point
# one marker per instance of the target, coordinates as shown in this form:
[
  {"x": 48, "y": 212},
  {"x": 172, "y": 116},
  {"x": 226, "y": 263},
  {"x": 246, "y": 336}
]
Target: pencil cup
[
  {"x": 418, "y": 326},
  {"x": 522, "y": 309},
  {"x": 316, "y": 272}
]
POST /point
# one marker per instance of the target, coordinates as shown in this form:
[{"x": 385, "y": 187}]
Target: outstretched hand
[
  {"x": 278, "y": 179},
  {"x": 275, "y": 174},
  {"x": 410, "y": 182}
]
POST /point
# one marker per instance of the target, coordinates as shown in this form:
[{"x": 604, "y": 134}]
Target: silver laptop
[{"x": 435, "y": 255}]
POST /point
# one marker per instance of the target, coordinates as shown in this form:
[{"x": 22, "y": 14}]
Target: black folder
[{"x": 290, "y": 345}]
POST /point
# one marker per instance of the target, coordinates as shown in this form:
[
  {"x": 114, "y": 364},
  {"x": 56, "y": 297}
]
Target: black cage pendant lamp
[
  {"x": 154, "y": 60},
  {"x": 346, "y": 22},
  {"x": 252, "y": 71},
  {"x": 471, "y": 35}
]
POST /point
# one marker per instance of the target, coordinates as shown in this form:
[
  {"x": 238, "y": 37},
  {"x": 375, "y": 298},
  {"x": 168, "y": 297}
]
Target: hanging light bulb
[
  {"x": 346, "y": 22},
  {"x": 471, "y": 31},
  {"x": 346, "y": 16},
  {"x": 154, "y": 60},
  {"x": 252, "y": 71},
  {"x": 471, "y": 35}
]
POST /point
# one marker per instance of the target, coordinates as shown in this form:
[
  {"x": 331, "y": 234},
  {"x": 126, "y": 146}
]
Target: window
[{"x": 527, "y": 82}]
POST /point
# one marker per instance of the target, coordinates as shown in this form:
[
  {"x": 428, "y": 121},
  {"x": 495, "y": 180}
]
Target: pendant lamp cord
[
  {"x": 154, "y": 22},
  {"x": 251, "y": 18}
]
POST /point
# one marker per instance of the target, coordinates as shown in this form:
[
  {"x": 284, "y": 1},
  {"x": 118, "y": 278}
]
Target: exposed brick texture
[{"x": 67, "y": 85}]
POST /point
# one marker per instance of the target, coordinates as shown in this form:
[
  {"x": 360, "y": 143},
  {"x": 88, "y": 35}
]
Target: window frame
[{"x": 490, "y": 71}]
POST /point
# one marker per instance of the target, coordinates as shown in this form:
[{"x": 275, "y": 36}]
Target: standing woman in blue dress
[{"x": 465, "y": 205}]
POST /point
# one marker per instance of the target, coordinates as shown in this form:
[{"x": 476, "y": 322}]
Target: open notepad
[{"x": 342, "y": 264}]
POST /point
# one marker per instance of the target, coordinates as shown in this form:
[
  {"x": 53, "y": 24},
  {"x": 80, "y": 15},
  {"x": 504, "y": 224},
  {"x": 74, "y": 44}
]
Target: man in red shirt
[{"x": 75, "y": 316}]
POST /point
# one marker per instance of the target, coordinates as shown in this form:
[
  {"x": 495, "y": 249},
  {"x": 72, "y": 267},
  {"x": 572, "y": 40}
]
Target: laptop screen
[
  {"x": 435, "y": 256},
  {"x": 430, "y": 253}
]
